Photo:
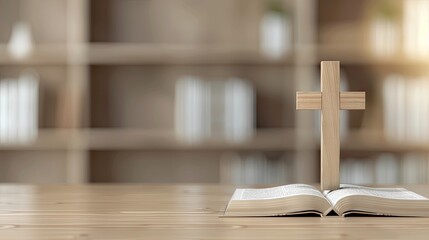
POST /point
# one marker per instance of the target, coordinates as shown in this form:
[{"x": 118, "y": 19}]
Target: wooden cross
[{"x": 330, "y": 101}]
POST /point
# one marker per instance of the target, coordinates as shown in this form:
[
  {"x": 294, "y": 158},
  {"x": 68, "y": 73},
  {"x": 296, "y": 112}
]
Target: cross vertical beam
[
  {"x": 330, "y": 135},
  {"x": 330, "y": 101}
]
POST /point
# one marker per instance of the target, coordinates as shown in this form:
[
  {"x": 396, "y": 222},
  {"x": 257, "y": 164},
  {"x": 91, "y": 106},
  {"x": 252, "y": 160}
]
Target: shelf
[
  {"x": 355, "y": 56},
  {"x": 131, "y": 139},
  {"x": 146, "y": 140},
  {"x": 383, "y": 146},
  {"x": 367, "y": 141},
  {"x": 46, "y": 140},
  {"x": 130, "y": 54},
  {"x": 117, "y": 53},
  {"x": 41, "y": 55},
  {"x": 151, "y": 54},
  {"x": 264, "y": 140}
]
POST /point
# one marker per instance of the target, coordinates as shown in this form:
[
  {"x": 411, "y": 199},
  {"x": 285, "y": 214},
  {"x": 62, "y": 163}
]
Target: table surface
[{"x": 172, "y": 212}]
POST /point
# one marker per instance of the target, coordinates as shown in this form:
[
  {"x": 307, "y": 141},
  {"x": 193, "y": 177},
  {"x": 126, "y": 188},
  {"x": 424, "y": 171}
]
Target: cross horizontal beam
[{"x": 313, "y": 100}]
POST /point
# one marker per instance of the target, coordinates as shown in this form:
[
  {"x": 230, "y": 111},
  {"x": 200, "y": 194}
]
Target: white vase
[
  {"x": 21, "y": 42},
  {"x": 276, "y": 35}
]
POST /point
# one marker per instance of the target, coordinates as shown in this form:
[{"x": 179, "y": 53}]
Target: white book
[
  {"x": 422, "y": 168},
  {"x": 27, "y": 107},
  {"x": 384, "y": 37},
  {"x": 419, "y": 101},
  {"x": 354, "y": 171},
  {"x": 389, "y": 108},
  {"x": 410, "y": 29},
  {"x": 416, "y": 31},
  {"x": 216, "y": 123},
  {"x": 254, "y": 169},
  {"x": 401, "y": 109},
  {"x": 24, "y": 118},
  {"x": 12, "y": 110},
  {"x": 231, "y": 168},
  {"x": 3, "y": 110},
  {"x": 361, "y": 171},
  {"x": 395, "y": 107},
  {"x": 425, "y": 110},
  {"x": 413, "y": 110},
  {"x": 357, "y": 171},
  {"x": 295, "y": 199},
  {"x": 33, "y": 81},
  {"x": 277, "y": 170},
  {"x": 345, "y": 170},
  {"x": 411, "y": 169},
  {"x": 190, "y": 109},
  {"x": 387, "y": 169},
  {"x": 239, "y": 110}
]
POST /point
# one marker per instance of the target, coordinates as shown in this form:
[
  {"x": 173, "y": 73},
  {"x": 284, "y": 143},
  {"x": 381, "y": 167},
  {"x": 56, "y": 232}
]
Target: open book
[{"x": 301, "y": 199}]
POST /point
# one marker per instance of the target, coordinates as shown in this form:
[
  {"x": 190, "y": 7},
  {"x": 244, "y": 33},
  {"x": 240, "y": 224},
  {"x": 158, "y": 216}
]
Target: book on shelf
[
  {"x": 296, "y": 199},
  {"x": 414, "y": 168},
  {"x": 387, "y": 169},
  {"x": 384, "y": 29},
  {"x": 239, "y": 105},
  {"x": 356, "y": 171},
  {"x": 254, "y": 168},
  {"x": 406, "y": 108},
  {"x": 222, "y": 109},
  {"x": 19, "y": 108},
  {"x": 409, "y": 168},
  {"x": 191, "y": 102},
  {"x": 415, "y": 30}
]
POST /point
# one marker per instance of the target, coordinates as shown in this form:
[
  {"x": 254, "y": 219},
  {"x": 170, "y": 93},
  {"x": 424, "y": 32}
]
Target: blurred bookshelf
[{"x": 108, "y": 100}]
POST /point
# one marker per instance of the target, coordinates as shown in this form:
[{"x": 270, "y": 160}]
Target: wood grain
[
  {"x": 313, "y": 100},
  {"x": 352, "y": 100},
  {"x": 172, "y": 212},
  {"x": 330, "y": 132},
  {"x": 308, "y": 100},
  {"x": 330, "y": 101}
]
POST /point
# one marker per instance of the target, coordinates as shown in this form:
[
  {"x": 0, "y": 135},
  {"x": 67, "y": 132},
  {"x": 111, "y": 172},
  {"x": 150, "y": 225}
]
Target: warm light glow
[{"x": 416, "y": 28}]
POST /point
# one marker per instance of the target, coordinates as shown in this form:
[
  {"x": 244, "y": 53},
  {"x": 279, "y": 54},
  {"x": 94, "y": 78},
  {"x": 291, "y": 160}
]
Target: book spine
[
  {"x": 410, "y": 169},
  {"x": 387, "y": 169},
  {"x": 254, "y": 169},
  {"x": 24, "y": 117},
  {"x": 230, "y": 168},
  {"x": 239, "y": 110},
  {"x": 3, "y": 110},
  {"x": 216, "y": 107},
  {"x": 33, "y": 106},
  {"x": 412, "y": 110},
  {"x": 190, "y": 104},
  {"x": 12, "y": 112}
]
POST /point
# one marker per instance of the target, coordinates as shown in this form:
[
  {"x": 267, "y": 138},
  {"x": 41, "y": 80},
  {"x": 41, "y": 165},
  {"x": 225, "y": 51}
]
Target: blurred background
[{"x": 202, "y": 91}]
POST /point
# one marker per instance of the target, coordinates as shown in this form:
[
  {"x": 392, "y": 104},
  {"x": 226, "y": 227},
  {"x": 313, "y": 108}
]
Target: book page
[
  {"x": 389, "y": 193},
  {"x": 276, "y": 192}
]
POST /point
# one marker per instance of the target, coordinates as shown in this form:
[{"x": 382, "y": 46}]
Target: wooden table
[{"x": 172, "y": 212}]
